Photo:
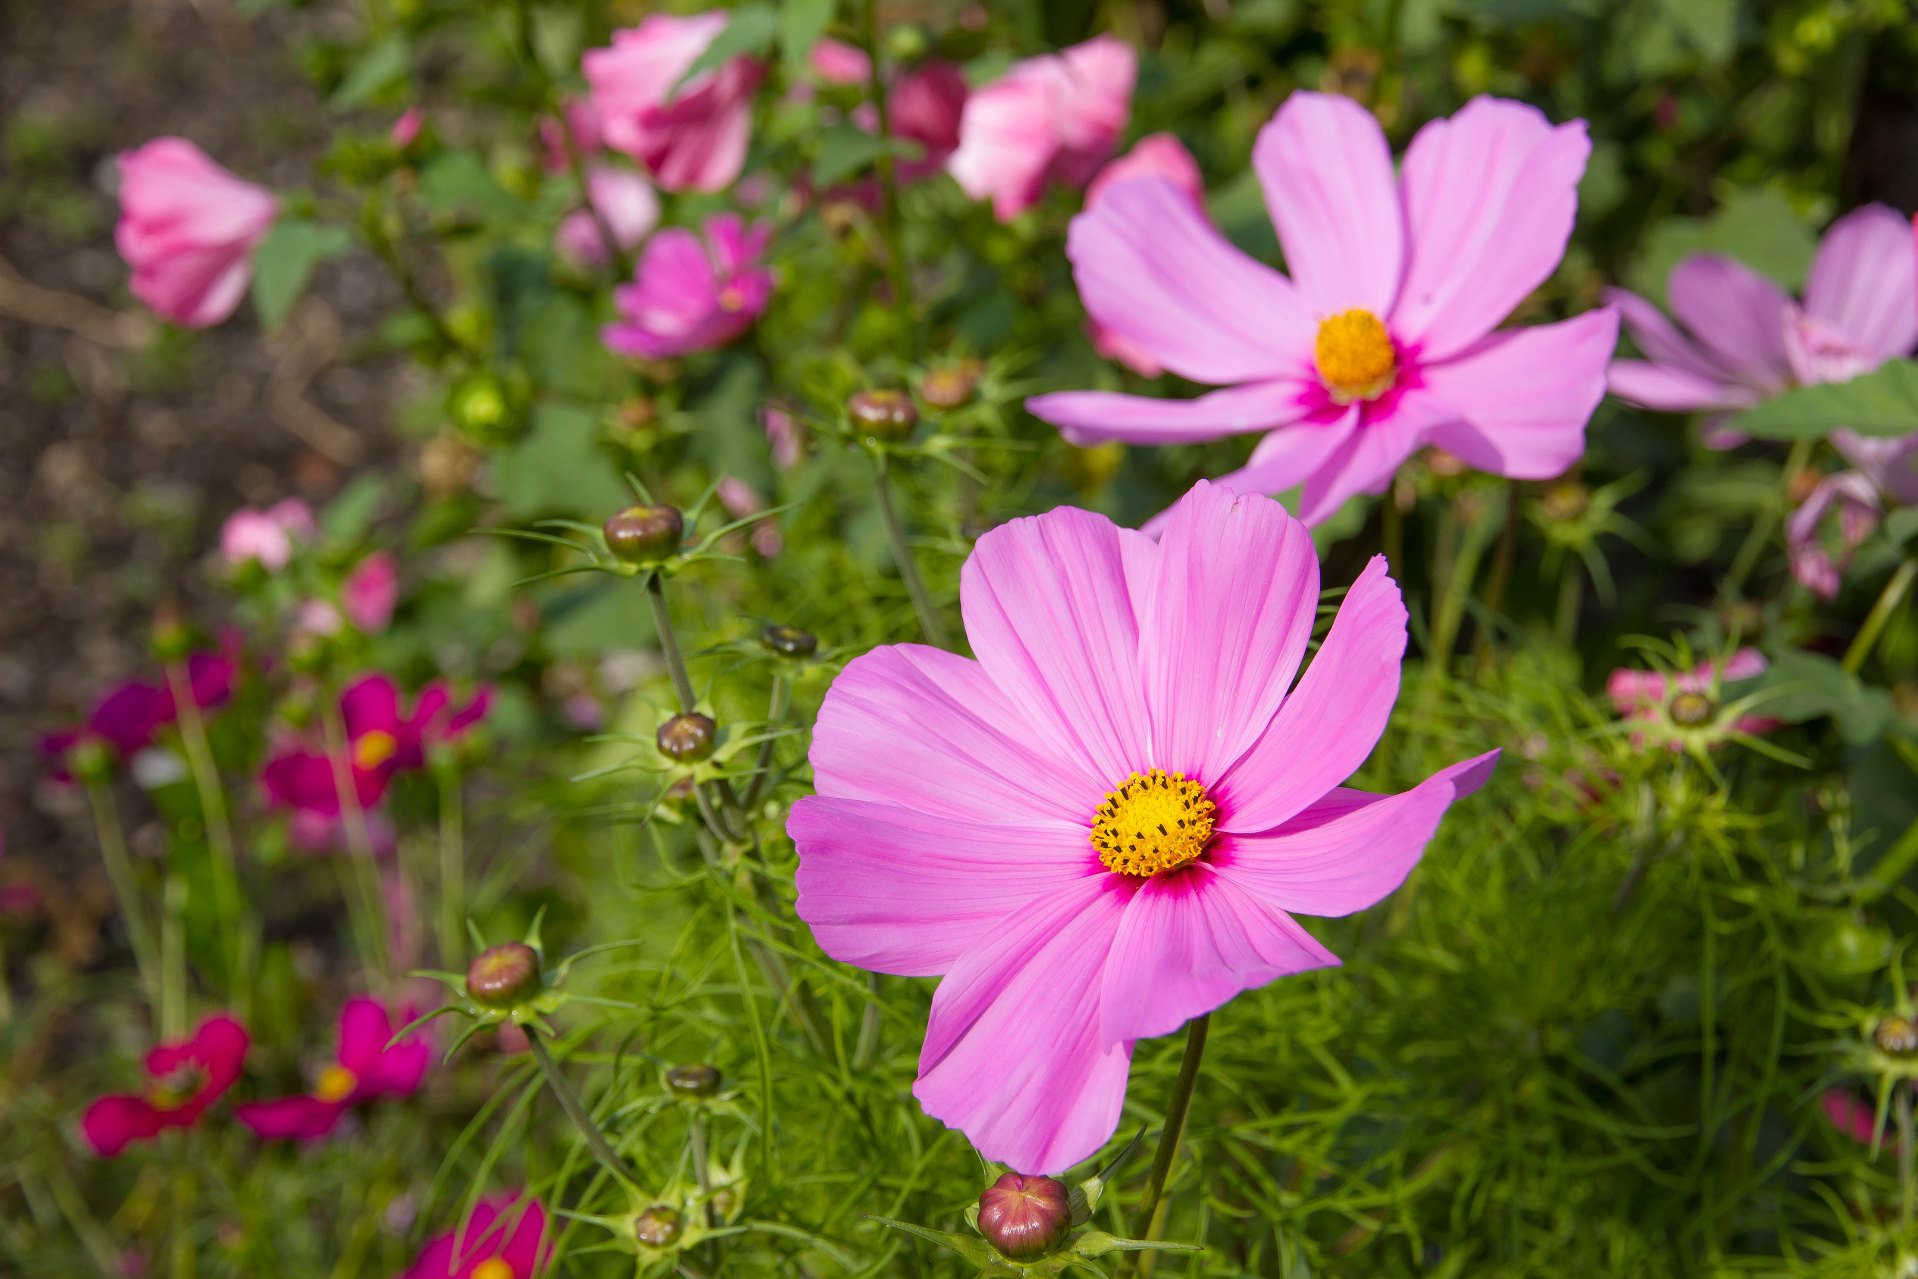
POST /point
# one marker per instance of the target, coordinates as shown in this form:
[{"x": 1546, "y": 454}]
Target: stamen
[
  {"x": 1355, "y": 355},
  {"x": 374, "y": 749},
  {"x": 336, "y": 1083},
  {"x": 1156, "y": 801}
]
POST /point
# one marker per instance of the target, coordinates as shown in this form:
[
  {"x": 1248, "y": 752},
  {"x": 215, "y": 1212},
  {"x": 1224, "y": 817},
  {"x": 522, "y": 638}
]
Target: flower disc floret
[{"x": 1154, "y": 821}]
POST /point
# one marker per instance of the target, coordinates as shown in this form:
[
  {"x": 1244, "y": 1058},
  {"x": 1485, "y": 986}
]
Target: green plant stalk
[
  {"x": 1570, "y": 589},
  {"x": 889, "y": 225},
  {"x": 1881, "y": 613},
  {"x": 669, "y": 643},
  {"x": 228, "y": 897},
  {"x": 1907, "y": 1185},
  {"x": 775, "y": 716},
  {"x": 126, "y": 886},
  {"x": 1459, "y": 551},
  {"x": 173, "y": 896},
  {"x": 1759, "y": 536},
  {"x": 1145, "y": 1225},
  {"x": 452, "y": 850},
  {"x": 576, "y": 1109},
  {"x": 929, "y": 624},
  {"x": 365, "y": 874},
  {"x": 1501, "y": 573},
  {"x": 868, "y": 1046},
  {"x": 702, "y": 1174},
  {"x": 1392, "y": 532}
]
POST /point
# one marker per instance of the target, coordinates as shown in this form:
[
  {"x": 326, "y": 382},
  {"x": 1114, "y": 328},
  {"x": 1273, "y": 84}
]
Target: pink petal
[
  {"x": 1330, "y": 723},
  {"x": 111, "y": 1124},
  {"x": 1012, "y": 1055},
  {"x": 1093, "y": 105},
  {"x": 1288, "y": 456},
  {"x": 1672, "y": 390},
  {"x": 1490, "y": 196},
  {"x": 291, "y": 1118},
  {"x": 1050, "y": 607},
  {"x": 1848, "y": 1114},
  {"x": 1388, "y": 432},
  {"x": 1090, "y": 417},
  {"x": 1188, "y": 942},
  {"x": 370, "y": 704},
  {"x": 1864, "y": 281},
  {"x": 1158, "y": 155},
  {"x": 1738, "y": 314},
  {"x": 1224, "y": 626},
  {"x": 1348, "y": 850},
  {"x": 897, "y": 891},
  {"x": 1007, "y": 138},
  {"x": 1327, "y": 174},
  {"x": 1663, "y": 343}
]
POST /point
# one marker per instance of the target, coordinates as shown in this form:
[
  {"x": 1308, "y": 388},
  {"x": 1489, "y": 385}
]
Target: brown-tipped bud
[
  {"x": 883, "y": 414},
  {"x": 1567, "y": 501},
  {"x": 503, "y": 975},
  {"x": 90, "y": 760},
  {"x": 789, "y": 641},
  {"x": 1692, "y": 709},
  {"x": 645, "y": 534},
  {"x": 687, "y": 738},
  {"x": 658, "y": 1226},
  {"x": 951, "y": 386},
  {"x": 1025, "y": 1217},
  {"x": 693, "y": 1079},
  {"x": 1896, "y": 1037}
]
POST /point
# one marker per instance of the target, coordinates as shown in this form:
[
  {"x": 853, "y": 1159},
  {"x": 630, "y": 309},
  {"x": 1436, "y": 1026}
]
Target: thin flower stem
[
  {"x": 669, "y": 643},
  {"x": 452, "y": 865},
  {"x": 234, "y": 915},
  {"x": 173, "y": 894},
  {"x": 113, "y": 850},
  {"x": 366, "y": 875},
  {"x": 775, "y": 716},
  {"x": 1570, "y": 594},
  {"x": 889, "y": 225},
  {"x": 1881, "y": 613},
  {"x": 929, "y": 624},
  {"x": 1759, "y": 535},
  {"x": 1146, "y": 1224},
  {"x": 696, "y": 1139},
  {"x": 1501, "y": 573},
  {"x": 1907, "y": 1186},
  {"x": 868, "y": 1046},
  {"x": 576, "y": 1109},
  {"x": 1392, "y": 533}
]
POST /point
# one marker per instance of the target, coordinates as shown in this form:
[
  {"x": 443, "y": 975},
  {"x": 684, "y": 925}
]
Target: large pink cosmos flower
[
  {"x": 1159, "y": 155},
  {"x": 1053, "y": 118},
  {"x": 692, "y": 294},
  {"x": 690, "y": 140},
  {"x": 383, "y": 739},
  {"x": 1098, "y": 829},
  {"x": 129, "y": 716},
  {"x": 184, "y": 1079},
  {"x": 499, "y": 1240},
  {"x": 364, "y": 1070},
  {"x": 1382, "y": 339},
  {"x": 188, "y": 229},
  {"x": 627, "y": 204}
]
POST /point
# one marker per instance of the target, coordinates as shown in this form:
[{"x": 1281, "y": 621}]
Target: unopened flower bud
[
  {"x": 950, "y": 386},
  {"x": 172, "y": 637},
  {"x": 504, "y": 975},
  {"x": 693, "y": 1079},
  {"x": 90, "y": 760},
  {"x": 1896, "y": 1037},
  {"x": 1692, "y": 709},
  {"x": 645, "y": 534},
  {"x": 883, "y": 414},
  {"x": 1567, "y": 501},
  {"x": 658, "y": 1226},
  {"x": 686, "y": 738},
  {"x": 1025, "y": 1217},
  {"x": 789, "y": 641}
]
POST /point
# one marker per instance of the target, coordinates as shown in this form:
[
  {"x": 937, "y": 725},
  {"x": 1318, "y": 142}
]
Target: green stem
[
  {"x": 173, "y": 894},
  {"x": 365, "y": 871},
  {"x": 1146, "y": 1224},
  {"x": 126, "y": 886},
  {"x": 1392, "y": 532},
  {"x": 868, "y": 1046},
  {"x": 775, "y": 716},
  {"x": 576, "y": 1109},
  {"x": 1881, "y": 613},
  {"x": 702, "y": 1174},
  {"x": 669, "y": 643},
  {"x": 234, "y": 916},
  {"x": 929, "y": 624},
  {"x": 1907, "y": 1186},
  {"x": 1759, "y": 535},
  {"x": 1570, "y": 589},
  {"x": 896, "y": 271},
  {"x": 1501, "y": 572},
  {"x": 452, "y": 865}
]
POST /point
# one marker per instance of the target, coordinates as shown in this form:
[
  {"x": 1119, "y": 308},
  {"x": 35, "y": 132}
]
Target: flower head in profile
[
  {"x": 1686, "y": 708},
  {"x": 625, "y": 203},
  {"x": 1382, "y": 340},
  {"x": 184, "y": 1079},
  {"x": 504, "y": 1237},
  {"x": 188, "y": 229},
  {"x": 691, "y": 136},
  {"x": 1054, "y": 118},
  {"x": 1101, "y": 827},
  {"x": 364, "y": 1069},
  {"x": 693, "y": 292},
  {"x": 383, "y": 739},
  {"x": 266, "y": 537}
]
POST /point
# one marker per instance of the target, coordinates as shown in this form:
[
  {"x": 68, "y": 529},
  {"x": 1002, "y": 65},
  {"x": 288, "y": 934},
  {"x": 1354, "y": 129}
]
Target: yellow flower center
[
  {"x": 493, "y": 1268},
  {"x": 373, "y": 749},
  {"x": 177, "y": 1088},
  {"x": 1355, "y": 355},
  {"x": 1154, "y": 821},
  {"x": 336, "y": 1083}
]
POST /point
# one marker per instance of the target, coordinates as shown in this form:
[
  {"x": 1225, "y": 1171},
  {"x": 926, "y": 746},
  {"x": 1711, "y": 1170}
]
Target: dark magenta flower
[
  {"x": 364, "y": 1070},
  {"x": 500, "y": 1240},
  {"x": 129, "y": 716},
  {"x": 184, "y": 1079},
  {"x": 383, "y": 739}
]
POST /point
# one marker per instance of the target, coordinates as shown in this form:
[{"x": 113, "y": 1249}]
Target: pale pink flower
[
  {"x": 1054, "y": 118},
  {"x": 627, "y": 204},
  {"x": 1382, "y": 341},
  {"x": 1158, "y": 156},
  {"x": 1100, "y": 828},
  {"x": 266, "y": 537},
  {"x": 371, "y": 591},
  {"x": 406, "y": 130},
  {"x": 692, "y": 293},
  {"x": 188, "y": 229},
  {"x": 741, "y": 500},
  {"x": 692, "y": 139}
]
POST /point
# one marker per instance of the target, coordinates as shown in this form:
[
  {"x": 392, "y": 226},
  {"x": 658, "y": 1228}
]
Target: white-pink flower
[
  {"x": 188, "y": 229},
  {"x": 266, "y": 537}
]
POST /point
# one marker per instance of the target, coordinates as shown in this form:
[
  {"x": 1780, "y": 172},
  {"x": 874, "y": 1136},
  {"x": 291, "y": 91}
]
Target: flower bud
[
  {"x": 1567, "y": 501},
  {"x": 658, "y": 1226},
  {"x": 883, "y": 414},
  {"x": 90, "y": 760},
  {"x": 950, "y": 386},
  {"x": 504, "y": 975},
  {"x": 645, "y": 534},
  {"x": 693, "y": 1079},
  {"x": 1025, "y": 1217},
  {"x": 1896, "y": 1037},
  {"x": 172, "y": 637},
  {"x": 687, "y": 738},
  {"x": 789, "y": 641},
  {"x": 1692, "y": 709}
]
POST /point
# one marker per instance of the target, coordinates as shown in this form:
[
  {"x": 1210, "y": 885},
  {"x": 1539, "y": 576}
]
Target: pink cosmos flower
[
  {"x": 925, "y": 104},
  {"x": 500, "y": 1240},
  {"x": 184, "y": 1079},
  {"x": 1158, "y": 156},
  {"x": 1685, "y": 699},
  {"x": 266, "y": 537},
  {"x": 1099, "y": 829},
  {"x": 581, "y": 122},
  {"x": 1053, "y": 118},
  {"x": 188, "y": 229},
  {"x": 627, "y": 203},
  {"x": 371, "y": 591},
  {"x": 130, "y": 715},
  {"x": 1382, "y": 340},
  {"x": 365, "y": 1069},
  {"x": 690, "y": 140},
  {"x": 382, "y": 740},
  {"x": 691, "y": 294}
]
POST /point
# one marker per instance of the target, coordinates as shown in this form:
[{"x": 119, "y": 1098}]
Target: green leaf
[
  {"x": 844, "y": 150},
  {"x": 385, "y": 63},
  {"x": 1902, "y": 525},
  {"x": 752, "y": 30},
  {"x": 801, "y": 23},
  {"x": 1803, "y": 686},
  {"x": 1881, "y": 403},
  {"x": 1756, "y": 226},
  {"x": 285, "y": 260},
  {"x": 459, "y": 182},
  {"x": 558, "y": 468}
]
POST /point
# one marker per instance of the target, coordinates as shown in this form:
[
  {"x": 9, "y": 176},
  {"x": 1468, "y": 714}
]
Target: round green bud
[
  {"x": 686, "y": 738},
  {"x": 503, "y": 975},
  {"x": 645, "y": 534}
]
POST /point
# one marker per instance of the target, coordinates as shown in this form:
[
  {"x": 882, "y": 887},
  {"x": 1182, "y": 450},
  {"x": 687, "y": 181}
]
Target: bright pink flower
[
  {"x": 364, "y": 1070},
  {"x": 690, "y": 140},
  {"x": 626, "y": 202},
  {"x": 1818, "y": 569},
  {"x": 188, "y": 229},
  {"x": 1382, "y": 341},
  {"x": 582, "y": 123},
  {"x": 740, "y": 500},
  {"x": 130, "y": 715},
  {"x": 925, "y": 106},
  {"x": 1850, "y": 1115},
  {"x": 266, "y": 537},
  {"x": 691, "y": 294},
  {"x": 406, "y": 130},
  {"x": 1099, "y": 828},
  {"x": 500, "y": 1240},
  {"x": 185, "y": 1078},
  {"x": 382, "y": 740},
  {"x": 1051, "y": 118},
  {"x": 1685, "y": 700},
  {"x": 370, "y": 592},
  {"x": 1159, "y": 156}
]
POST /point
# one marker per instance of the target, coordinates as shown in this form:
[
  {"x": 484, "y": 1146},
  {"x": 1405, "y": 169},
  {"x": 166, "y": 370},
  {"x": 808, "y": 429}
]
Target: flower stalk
[
  {"x": 575, "y": 1109},
  {"x": 113, "y": 851},
  {"x": 887, "y": 166},
  {"x": 1146, "y": 1226},
  {"x": 1889, "y": 601},
  {"x": 364, "y": 876},
  {"x": 219, "y": 829},
  {"x": 922, "y": 604}
]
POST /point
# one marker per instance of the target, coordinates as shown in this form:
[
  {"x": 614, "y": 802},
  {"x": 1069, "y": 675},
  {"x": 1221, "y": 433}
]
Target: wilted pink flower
[
  {"x": 129, "y": 716},
  {"x": 382, "y": 740},
  {"x": 627, "y": 204},
  {"x": 266, "y": 537},
  {"x": 690, "y": 140},
  {"x": 406, "y": 130},
  {"x": 692, "y": 294},
  {"x": 740, "y": 500},
  {"x": 1857, "y": 506},
  {"x": 1099, "y": 828},
  {"x": 184, "y": 1079},
  {"x": 1382, "y": 341},
  {"x": 188, "y": 229},
  {"x": 582, "y": 123},
  {"x": 1684, "y": 704},
  {"x": 1051, "y": 118},
  {"x": 1158, "y": 156},
  {"x": 371, "y": 591},
  {"x": 364, "y": 1069},
  {"x": 501, "y": 1239}
]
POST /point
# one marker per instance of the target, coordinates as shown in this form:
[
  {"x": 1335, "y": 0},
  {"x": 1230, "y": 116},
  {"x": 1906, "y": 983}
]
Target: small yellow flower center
[
  {"x": 731, "y": 299},
  {"x": 1355, "y": 355},
  {"x": 373, "y": 749},
  {"x": 176, "y": 1088},
  {"x": 336, "y": 1083},
  {"x": 493, "y": 1268},
  {"x": 1154, "y": 821}
]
